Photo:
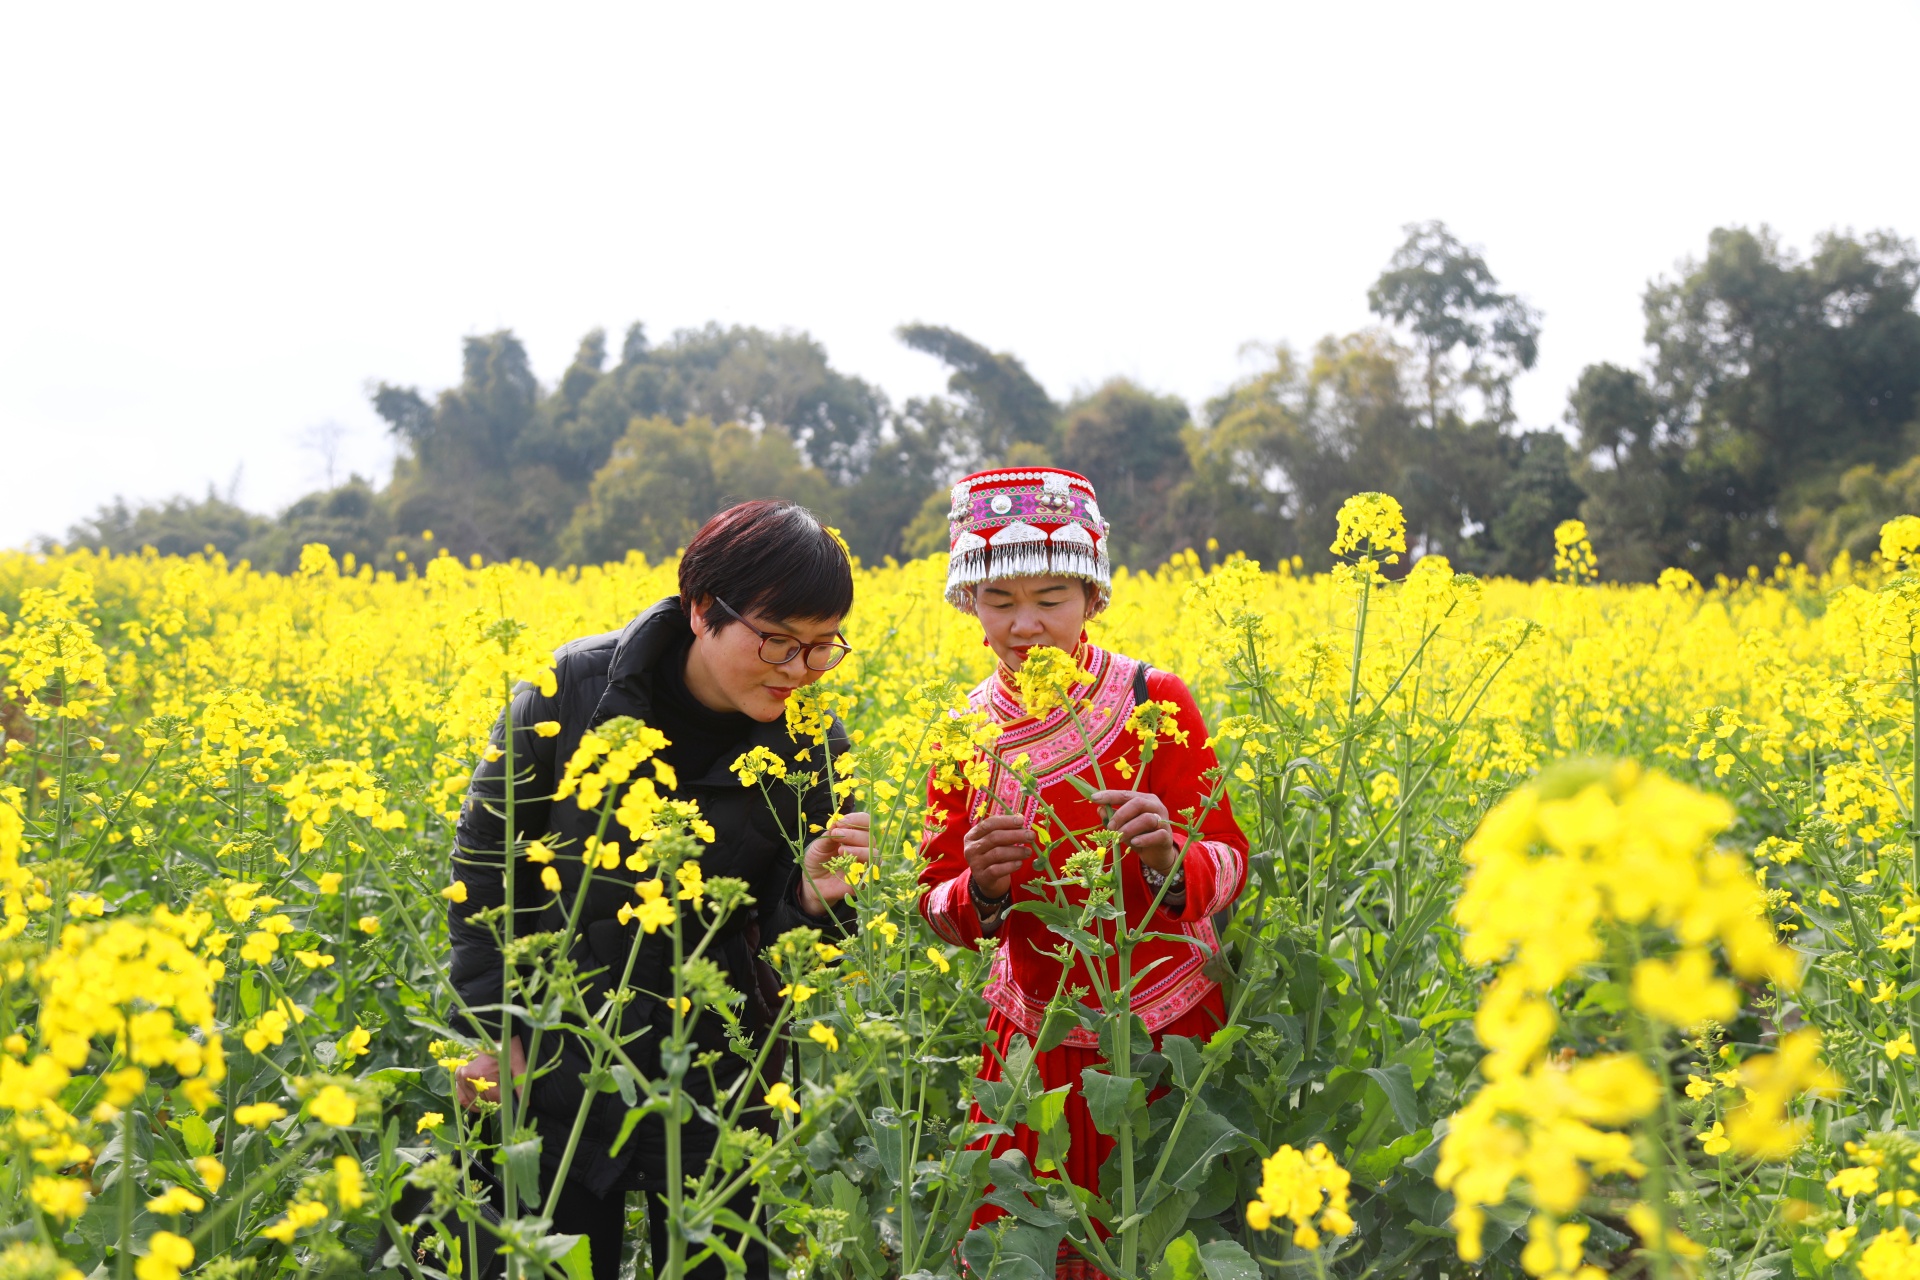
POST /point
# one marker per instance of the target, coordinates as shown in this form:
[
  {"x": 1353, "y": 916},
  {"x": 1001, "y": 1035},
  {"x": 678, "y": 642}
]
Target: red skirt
[{"x": 1087, "y": 1148}]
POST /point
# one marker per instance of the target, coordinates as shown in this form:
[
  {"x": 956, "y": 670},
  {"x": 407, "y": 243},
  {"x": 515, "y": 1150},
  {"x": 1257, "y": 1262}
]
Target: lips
[{"x": 780, "y": 692}]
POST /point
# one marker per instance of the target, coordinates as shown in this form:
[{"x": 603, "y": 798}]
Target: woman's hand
[
  {"x": 995, "y": 848},
  {"x": 480, "y": 1078},
  {"x": 820, "y": 888},
  {"x": 1141, "y": 819}
]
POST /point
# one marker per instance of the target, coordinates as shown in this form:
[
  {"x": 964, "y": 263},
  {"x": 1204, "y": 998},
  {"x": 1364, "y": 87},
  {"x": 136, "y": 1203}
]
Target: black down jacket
[{"x": 598, "y": 679}]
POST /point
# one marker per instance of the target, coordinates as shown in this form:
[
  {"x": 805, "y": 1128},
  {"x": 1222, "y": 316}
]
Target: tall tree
[
  {"x": 1471, "y": 336},
  {"x": 1004, "y": 406},
  {"x": 1798, "y": 368},
  {"x": 465, "y": 471},
  {"x": 1131, "y": 444},
  {"x": 1772, "y": 377},
  {"x": 665, "y": 478},
  {"x": 1539, "y": 491}
]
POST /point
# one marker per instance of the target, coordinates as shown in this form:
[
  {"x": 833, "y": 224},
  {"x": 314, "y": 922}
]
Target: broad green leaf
[
  {"x": 578, "y": 1261},
  {"x": 1113, "y": 1100},
  {"x": 1181, "y": 1261},
  {"x": 1183, "y": 1057},
  {"x": 1167, "y": 1217},
  {"x": 1206, "y": 1137},
  {"x": 1397, "y": 1081},
  {"x": 195, "y": 1134},
  {"x": 1376, "y": 1164},
  {"x": 1226, "y": 1260}
]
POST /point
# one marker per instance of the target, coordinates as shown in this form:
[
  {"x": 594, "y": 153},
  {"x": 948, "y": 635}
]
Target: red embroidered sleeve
[
  {"x": 1216, "y": 852},
  {"x": 946, "y": 900}
]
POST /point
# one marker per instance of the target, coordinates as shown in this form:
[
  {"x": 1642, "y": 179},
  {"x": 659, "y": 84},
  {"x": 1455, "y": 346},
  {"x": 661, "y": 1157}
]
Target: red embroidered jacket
[{"x": 1024, "y": 975}]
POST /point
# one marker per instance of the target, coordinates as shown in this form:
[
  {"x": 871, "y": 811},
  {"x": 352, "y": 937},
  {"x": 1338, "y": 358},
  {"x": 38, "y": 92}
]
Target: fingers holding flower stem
[
  {"x": 1142, "y": 821},
  {"x": 846, "y": 833}
]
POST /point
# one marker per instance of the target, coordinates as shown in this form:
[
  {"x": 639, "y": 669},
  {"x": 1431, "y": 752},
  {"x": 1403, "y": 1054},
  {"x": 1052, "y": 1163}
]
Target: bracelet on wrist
[
  {"x": 1177, "y": 883},
  {"x": 984, "y": 904}
]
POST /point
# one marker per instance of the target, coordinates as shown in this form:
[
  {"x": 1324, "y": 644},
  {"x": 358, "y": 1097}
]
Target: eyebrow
[
  {"x": 1003, "y": 591},
  {"x": 786, "y": 627}
]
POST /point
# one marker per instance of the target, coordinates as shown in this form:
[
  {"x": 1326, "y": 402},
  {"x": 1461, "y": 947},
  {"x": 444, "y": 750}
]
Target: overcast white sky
[{"x": 219, "y": 224}]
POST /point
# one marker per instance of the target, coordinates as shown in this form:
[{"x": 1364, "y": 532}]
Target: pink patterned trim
[
  {"x": 1173, "y": 991},
  {"x": 1229, "y": 869},
  {"x": 941, "y": 906}
]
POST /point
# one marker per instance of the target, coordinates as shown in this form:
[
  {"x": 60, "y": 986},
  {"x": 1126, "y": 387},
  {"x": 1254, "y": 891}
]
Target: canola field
[{"x": 1579, "y": 936}]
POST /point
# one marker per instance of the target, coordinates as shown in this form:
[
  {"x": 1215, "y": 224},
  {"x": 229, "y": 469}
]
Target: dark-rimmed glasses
[{"x": 778, "y": 650}]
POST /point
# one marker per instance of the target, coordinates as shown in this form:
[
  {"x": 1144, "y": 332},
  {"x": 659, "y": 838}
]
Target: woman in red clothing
[{"x": 1029, "y": 559}]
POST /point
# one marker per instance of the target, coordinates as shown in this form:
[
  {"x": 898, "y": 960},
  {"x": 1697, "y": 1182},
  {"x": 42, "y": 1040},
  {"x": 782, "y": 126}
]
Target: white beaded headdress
[{"x": 1024, "y": 521}]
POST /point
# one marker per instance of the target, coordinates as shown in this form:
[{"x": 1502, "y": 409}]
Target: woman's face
[
  {"x": 1019, "y": 613},
  {"x": 725, "y": 671}
]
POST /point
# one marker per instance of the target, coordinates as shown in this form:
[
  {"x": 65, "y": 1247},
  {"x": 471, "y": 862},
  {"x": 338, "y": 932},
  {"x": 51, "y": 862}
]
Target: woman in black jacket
[{"x": 763, "y": 590}]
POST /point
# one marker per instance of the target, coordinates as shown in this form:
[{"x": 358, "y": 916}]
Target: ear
[{"x": 699, "y": 612}]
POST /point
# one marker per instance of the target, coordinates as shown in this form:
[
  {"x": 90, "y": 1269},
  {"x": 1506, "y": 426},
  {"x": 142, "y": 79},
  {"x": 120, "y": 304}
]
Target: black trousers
[{"x": 602, "y": 1219}]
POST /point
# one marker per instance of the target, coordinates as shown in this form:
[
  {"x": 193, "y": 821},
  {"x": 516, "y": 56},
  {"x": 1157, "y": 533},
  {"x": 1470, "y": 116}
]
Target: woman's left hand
[
  {"x": 1141, "y": 819},
  {"x": 820, "y": 888}
]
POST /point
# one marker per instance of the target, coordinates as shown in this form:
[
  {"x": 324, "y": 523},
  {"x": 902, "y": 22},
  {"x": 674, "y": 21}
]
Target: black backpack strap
[{"x": 1140, "y": 695}]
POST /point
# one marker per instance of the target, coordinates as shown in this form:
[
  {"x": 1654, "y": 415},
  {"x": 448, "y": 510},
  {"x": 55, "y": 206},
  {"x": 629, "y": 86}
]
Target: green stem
[{"x": 123, "y": 1251}]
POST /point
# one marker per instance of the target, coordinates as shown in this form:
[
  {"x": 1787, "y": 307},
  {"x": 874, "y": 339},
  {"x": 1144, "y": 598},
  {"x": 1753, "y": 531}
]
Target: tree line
[{"x": 1777, "y": 412}]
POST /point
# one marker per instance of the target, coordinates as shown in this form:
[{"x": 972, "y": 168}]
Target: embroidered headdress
[{"x": 1025, "y": 521}]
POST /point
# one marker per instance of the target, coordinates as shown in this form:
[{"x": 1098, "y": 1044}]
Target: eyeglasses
[{"x": 778, "y": 650}]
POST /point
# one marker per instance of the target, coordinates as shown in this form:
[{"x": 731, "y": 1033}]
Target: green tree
[
  {"x": 1772, "y": 378},
  {"x": 1863, "y": 499},
  {"x": 349, "y": 519},
  {"x": 177, "y": 527},
  {"x": 467, "y": 469},
  {"x": 1285, "y": 447},
  {"x": 1539, "y": 491},
  {"x": 1132, "y": 444},
  {"x": 1470, "y": 335},
  {"x": 745, "y": 375},
  {"x": 665, "y": 478},
  {"x": 1002, "y": 405}
]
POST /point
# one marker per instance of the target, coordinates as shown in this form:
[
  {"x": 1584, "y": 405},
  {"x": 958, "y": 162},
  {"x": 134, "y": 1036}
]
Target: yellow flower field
[{"x": 1579, "y": 937}]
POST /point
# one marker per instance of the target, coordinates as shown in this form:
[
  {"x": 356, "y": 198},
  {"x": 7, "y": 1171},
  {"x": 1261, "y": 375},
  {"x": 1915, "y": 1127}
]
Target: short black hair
[{"x": 768, "y": 557}]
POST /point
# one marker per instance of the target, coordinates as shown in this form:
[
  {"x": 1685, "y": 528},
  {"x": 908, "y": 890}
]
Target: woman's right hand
[
  {"x": 480, "y": 1078},
  {"x": 995, "y": 848}
]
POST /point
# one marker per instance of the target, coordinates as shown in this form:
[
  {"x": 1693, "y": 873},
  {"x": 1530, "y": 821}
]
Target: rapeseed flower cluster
[
  {"x": 1573, "y": 558},
  {"x": 1603, "y": 868},
  {"x": 1371, "y": 526},
  {"x": 1308, "y": 1188}
]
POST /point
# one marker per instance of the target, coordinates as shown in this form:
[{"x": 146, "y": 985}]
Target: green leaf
[
  {"x": 523, "y": 1159},
  {"x": 1167, "y": 1217},
  {"x": 1183, "y": 1057},
  {"x": 1025, "y": 1210},
  {"x": 395, "y": 1075},
  {"x": 993, "y": 1097},
  {"x": 1054, "y": 1030},
  {"x": 1397, "y": 1081},
  {"x": 195, "y": 1133},
  {"x": 1047, "y": 1117},
  {"x": 1029, "y": 1252},
  {"x": 634, "y": 1116},
  {"x": 1226, "y": 1260},
  {"x": 1206, "y": 1137},
  {"x": 1376, "y": 1164},
  {"x": 1114, "y": 1101},
  {"x": 1181, "y": 1260},
  {"x": 578, "y": 1261}
]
